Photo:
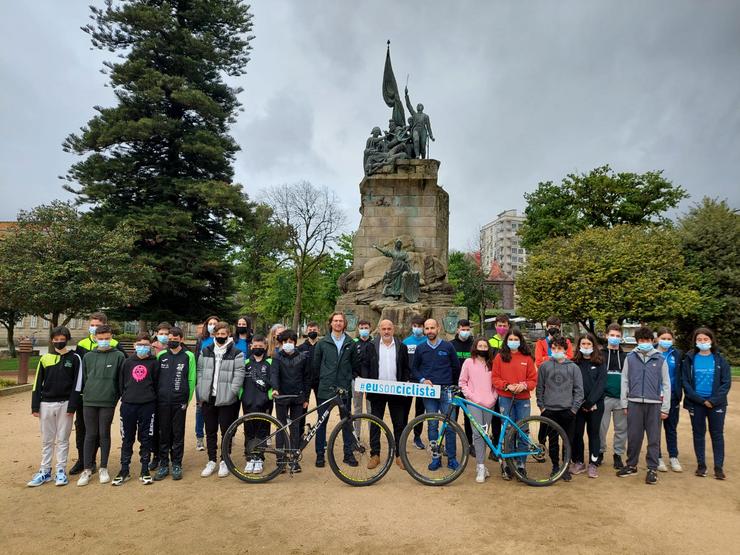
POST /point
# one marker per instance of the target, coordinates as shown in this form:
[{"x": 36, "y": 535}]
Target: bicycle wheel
[
  {"x": 368, "y": 470},
  {"x": 255, "y": 447},
  {"x": 431, "y": 465},
  {"x": 527, "y": 458}
]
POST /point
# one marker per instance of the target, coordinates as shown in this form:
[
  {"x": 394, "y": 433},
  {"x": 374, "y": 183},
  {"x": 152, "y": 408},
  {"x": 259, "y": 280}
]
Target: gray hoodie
[{"x": 559, "y": 386}]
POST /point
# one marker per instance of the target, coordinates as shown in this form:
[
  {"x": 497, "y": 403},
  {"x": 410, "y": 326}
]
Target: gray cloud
[{"x": 517, "y": 93}]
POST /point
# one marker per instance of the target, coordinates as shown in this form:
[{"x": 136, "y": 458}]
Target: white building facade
[{"x": 499, "y": 241}]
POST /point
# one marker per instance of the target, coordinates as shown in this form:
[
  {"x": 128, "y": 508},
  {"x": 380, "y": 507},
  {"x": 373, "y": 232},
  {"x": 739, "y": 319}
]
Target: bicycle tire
[
  {"x": 389, "y": 449},
  {"x": 228, "y": 439},
  {"x": 512, "y": 433},
  {"x": 413, "y": 471}
]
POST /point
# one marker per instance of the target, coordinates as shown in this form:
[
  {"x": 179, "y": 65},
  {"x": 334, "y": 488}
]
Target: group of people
[{"x": 585, "y": 390}]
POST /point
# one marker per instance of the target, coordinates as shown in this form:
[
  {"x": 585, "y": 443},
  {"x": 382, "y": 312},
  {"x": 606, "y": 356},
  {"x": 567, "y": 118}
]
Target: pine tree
[{"x": 160, "y": 160}]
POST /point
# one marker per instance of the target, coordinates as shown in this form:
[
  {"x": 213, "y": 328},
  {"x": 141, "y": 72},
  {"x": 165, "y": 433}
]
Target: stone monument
[{"x": 401, "y": 246}]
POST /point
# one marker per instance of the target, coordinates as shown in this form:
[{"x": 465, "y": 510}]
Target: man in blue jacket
[{"x": 436, "y": 363}]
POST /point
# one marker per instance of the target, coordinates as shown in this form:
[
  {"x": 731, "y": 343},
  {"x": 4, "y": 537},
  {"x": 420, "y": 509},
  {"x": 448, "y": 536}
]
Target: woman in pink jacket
[{"x": 476, "y": 383}]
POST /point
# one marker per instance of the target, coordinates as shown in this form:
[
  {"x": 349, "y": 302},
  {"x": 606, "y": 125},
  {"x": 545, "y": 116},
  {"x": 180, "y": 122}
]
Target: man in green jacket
[{"x": 337, "y": 362}]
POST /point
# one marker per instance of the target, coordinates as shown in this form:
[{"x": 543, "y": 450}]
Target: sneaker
[
  {"x": 40, "y": 478},
  {"x": 374, "y": 462},
  {"x": 249, "y": 468},
  {"x": 452, "y": 463},
  {"x": 627, "y": 471},
  {"x": 471, "y": 451},
  {"x": 436, "y": 463},
  {"x": 567, "y": 476},
  {"x": 320, "y": 462},
  {"x": 577, "y": 468},
  {"x": 258, "y": 467},
  {"x": 176, "y": 472},
  {"x": 84, "y": 478},
  {"x": 162, "y": 473},
  {"x": 555, "y": 470},
  {"x": 154, "y": 465},
  {"x": 481, "y": 473},
  {"x": 719, "y": 473},
  {"x": 199, "y": 444},
  {"x": 145, "y": 477},
  {"x": 505, "y": 472},
  {"x": 351, "y": 460},
  {"x": 223, "y": 470},
  {"x": 418, "y": 443},
  {"x": 77, "y": 468},
  {"x": 61, "y": 478},
  {"x": 600, "y": 459},
  {"x": 208, "y": 470},
  {"x": 593, "y": 471},
  {"x": 651, "y": 477},
  {"x": 675, "y": 465},
  {"x": 661, "y": 466},
  {"x": 522, "y": 472},
  {"x": 104, "y": 477},
  {"x": 618, "y": 464},
  {"x": 295, "y": 468},
  {"x": 701, "y": 471},
  {"x": 122, "y": 477}
]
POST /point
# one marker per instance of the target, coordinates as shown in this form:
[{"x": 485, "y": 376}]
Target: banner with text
[{"x": 405, "y": 389}]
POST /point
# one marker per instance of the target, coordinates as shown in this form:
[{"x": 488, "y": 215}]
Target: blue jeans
[
  {"x": 700, "y": 415},
  {"x": 441, "y": 405},
  {"x": 670, "y": 425},
  {"x": 521, "y": 408},
  {"x": 199, "y": 422},
  {"x": 347, "y": 432}
]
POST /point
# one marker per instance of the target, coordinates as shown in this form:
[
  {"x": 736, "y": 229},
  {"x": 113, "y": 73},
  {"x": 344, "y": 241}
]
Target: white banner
[{"x": 405, "y": 389}]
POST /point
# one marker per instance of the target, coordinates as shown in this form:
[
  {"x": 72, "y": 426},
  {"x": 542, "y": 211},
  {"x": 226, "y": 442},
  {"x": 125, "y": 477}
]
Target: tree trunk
[
  {"x": 298, "y": 307},
  {"x": 54, "y": 319},
  {"x": 143, "y": 327},
  {"x": 11, "y": 338}
]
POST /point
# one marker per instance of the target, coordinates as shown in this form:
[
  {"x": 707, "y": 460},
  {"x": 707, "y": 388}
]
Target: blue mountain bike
[{"x": 518, "y": 447}]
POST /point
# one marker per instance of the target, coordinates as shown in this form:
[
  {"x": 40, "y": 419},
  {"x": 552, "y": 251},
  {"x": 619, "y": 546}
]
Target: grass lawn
[
  {"x": 11, "y": 365},
  {"x": 736, "y": 371}
]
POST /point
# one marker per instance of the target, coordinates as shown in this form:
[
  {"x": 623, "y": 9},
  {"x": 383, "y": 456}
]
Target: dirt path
[{"x": 316, "y": 513}]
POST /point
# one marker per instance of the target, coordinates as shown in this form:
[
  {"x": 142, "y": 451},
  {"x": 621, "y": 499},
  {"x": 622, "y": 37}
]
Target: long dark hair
[
  {"x": 204, "y": 329},
  {"x": 596, "y": 357},
  {"x": 523, "y": 345},
  {"x": 236, "y": 337},
  {"x": 704, "y": 331},
  {"x": 474, "y": 352}
]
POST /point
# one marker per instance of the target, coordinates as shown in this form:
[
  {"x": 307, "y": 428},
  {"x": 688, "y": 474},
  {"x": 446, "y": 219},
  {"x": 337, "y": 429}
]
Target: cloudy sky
[{"x": 517, "y": 92}]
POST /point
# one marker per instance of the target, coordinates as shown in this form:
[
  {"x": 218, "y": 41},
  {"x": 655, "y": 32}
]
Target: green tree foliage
[
  {"x": 710, "y": 241},
  {"x": 607, "y": 274},
  {"x": 471, "y": 288},
  {"x": 600, "y": 198},
  {"x": 52, "y": 265},
  {"x": 160, "y": 160}
]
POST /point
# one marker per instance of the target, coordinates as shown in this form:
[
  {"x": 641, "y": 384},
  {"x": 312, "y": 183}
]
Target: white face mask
[{"x": 288, "y": 348}]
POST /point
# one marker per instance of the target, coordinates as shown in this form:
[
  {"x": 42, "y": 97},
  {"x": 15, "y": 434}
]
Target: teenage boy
[
  {"x": 175, "y": 387},
  {"x": 646, "y": 400},
  {"x": 83, "y": 347},
  {"x": 502, "y": 323},
  {"x": 163, "y": 334},
  {"x": 542, "y": 350},
  {"x": 614, "y": 357},
  {"x": 415, "y": 339},
  {"x": 256, "y": 398},
  {"x": 463, "y": 344},
  {"x": 559, "y": 396},
  {"x": 138, "y": 386},
  {"x": 100, "y": 390},
  {"x": 307, "y": 347},
  {"x": 290, "y": 376},
  {"x": 366, "y": 351},
  {"x": 56, "y": 392},
  {"x": 436, "y": 363}
]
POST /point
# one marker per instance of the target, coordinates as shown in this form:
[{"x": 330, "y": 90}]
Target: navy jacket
[
  {"x": 720, "y": 387},
  {"x": 440, "y": 366}
]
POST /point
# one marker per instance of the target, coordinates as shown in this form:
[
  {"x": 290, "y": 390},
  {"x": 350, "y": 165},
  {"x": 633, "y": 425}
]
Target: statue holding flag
[{"x": 390, "y": 90}]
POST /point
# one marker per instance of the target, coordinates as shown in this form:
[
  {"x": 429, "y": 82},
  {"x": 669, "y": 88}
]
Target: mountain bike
[
  {"x": 518, "y": 446},
  {"x": 266, "y": 440}
]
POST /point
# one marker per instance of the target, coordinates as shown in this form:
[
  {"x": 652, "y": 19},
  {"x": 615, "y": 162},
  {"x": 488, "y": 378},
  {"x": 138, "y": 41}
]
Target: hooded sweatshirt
[
  {"x": 100, "y": 377},
  {"x": 138, "y": 380},
  {"x": 476, "y": 383},
  {"x": 559, "y": 386},
  {"x": 58, "y": 378}
]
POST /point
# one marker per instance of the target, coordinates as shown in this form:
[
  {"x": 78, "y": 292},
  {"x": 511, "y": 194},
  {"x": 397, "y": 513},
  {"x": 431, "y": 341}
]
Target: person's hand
[
  {"x": 36, "y": 414},
  {"x": 708, "y": 405},
  {"x": 625, "y": 412},
  {"x": 663, "y": 415},
  {"x": 428, "y": 382},
  {"x": 275, "y": 393},
  {"x": 70, "y": 414},
  {"x": 305, "y": 405}
]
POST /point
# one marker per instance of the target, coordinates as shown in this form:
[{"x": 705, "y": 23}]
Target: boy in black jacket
[
  {"x": 463, "y": 343},
  {"x": 56, "y": 393},
  {"x": 138, "y": 386},
  {"x": 290, "y": 376},
  {"x": 256, "y": 398}
]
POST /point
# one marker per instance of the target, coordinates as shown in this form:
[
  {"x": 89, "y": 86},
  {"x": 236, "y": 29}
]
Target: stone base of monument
[{"x": 401, "y": 202}]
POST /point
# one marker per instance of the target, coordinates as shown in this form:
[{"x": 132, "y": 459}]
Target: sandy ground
[{"x": 316, "y": 513}]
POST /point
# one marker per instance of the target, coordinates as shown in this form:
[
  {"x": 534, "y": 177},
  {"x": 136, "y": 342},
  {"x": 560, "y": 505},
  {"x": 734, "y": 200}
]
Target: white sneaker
[
  {"x": 84, "y": 478},
  {"x": 223, "y": 470},
  {"x": 103, "y": 476},
  {"x": 675, "y": 465},
  {"x": 249, "y": 469},
  {"x": 208, "y": 470},
  {"x": 258, "y": 467},
  {"x": 481, "y": 473},
  {"x": 661, "y": 466}
]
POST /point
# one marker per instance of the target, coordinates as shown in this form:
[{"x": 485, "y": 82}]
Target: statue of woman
[{"x": 394, "y": 280}]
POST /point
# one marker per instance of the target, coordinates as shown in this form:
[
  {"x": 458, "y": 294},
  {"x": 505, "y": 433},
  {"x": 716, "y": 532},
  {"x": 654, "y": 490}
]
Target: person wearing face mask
[
  {"x": 243, "y": 335},
  {"x": 54, "y": 398},
  {"x": 259, "y": 373},
  {"x": 614, "y": 357},
  {"x": 205, "y": 340},
  {"x": 415, "y": 339},
  {"x": 138, "y": 386},
  {"x": 162, "y": 335},
  {"x": 307, "y": 348},
  {"x": 365, "y": 350},
  {"x": 542, "y": 349},
  {"x": 477, "y": 385},
  {"x": 159, "y": 345},
  {"x": 646, "y": 400},
  {"x": 706, "y": 378},
  {"x": 502, "y": 323},
  {"x": 559, "y": 396},
  {"x": 219, "y": 379},
  {"x": 463, "y": 343},
  {"x": 670, "y": 425}
]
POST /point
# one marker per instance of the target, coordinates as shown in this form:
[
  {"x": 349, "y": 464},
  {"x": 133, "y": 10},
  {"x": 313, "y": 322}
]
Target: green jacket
[
  {"x": 100, "y": 377},
  {"x": 335, "y": 369}
]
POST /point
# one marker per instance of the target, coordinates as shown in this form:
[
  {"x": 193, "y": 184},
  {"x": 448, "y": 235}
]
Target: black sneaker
[
  {"x": 320, "y": 463},
  {"x": 145, "y": 477},
  {"x": 122, "y": 477},
  {"x": 719, "y": 473},
  {"x": 599, "y": 460},
  {"x": 651, "y": 477},
  {"x": 176, "y": 472},
  {"x": 618, "y": 464},
  {"x": 472, "y": 451},
  {"x": 627, "y": 471},
  {"x": 77, "y": 468},
  {"x": 505, "y": 472},
  {"x": 701, "y": 471},
  {"x": 350, "y": 460},
  {"x": 567, "y": 476},
  {"x": 296, "y": 468}
]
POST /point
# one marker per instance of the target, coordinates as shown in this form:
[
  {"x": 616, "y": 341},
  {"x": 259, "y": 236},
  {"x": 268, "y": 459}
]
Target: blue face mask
[
  {"x": 645, "y": 347},
  {"x": 288, "y": 348},
  {"x": 142, "y": 350},
  {"x": 586, "y": 352},
  {"x": 513, "y": 345},
  {"x": 418, "y": 332},
  {"x": 163, "y": 338},
  {"x": 364, "y": 333},
  {"x": 558, "y": 355},
  {"x": 92, "y": 329},
  {"x": 703, "y": 346},
  {"x": 613, "y": 341},
  {"x": 104, "y": 343},
  {"x": 464, "y": 334},
  {"x": 665, "y": 343}
]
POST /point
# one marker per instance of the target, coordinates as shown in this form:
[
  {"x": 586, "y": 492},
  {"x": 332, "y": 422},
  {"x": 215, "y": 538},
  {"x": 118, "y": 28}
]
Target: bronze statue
[
  {"x": 421, "y": 129},
  {"x": 400, "y": 280}
]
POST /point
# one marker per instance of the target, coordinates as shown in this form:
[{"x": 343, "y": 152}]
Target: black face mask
[
  {"x": 485, "y": 354},
  {"x": 173, "y": 344},
  {"x": 313, "y": 335},
  {"x": 59, "y": 345},
  {"x": 220, "y": 340},
  {"x": 554, "y": 332},
  {"x": 241, "y": 329},
  {"x": 259, "y": 351}
]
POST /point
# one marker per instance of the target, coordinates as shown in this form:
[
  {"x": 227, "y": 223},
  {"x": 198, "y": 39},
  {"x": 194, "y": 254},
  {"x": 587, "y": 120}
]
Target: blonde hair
[{"x": 272, "y": 342}]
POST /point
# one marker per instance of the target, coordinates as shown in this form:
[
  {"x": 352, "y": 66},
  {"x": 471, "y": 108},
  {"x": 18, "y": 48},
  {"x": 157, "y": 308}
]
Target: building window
[{"x": 34, "y": 322}]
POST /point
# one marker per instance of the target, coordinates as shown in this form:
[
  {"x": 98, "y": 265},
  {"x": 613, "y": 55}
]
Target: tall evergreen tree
[{"x": 160, "y": 160}]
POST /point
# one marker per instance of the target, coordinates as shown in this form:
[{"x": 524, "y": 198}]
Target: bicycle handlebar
[{"x": 285, "y": 396}]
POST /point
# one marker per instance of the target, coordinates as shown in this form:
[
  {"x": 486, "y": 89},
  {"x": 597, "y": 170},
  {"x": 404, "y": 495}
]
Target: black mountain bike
[{"x": 267, "y": 445}]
